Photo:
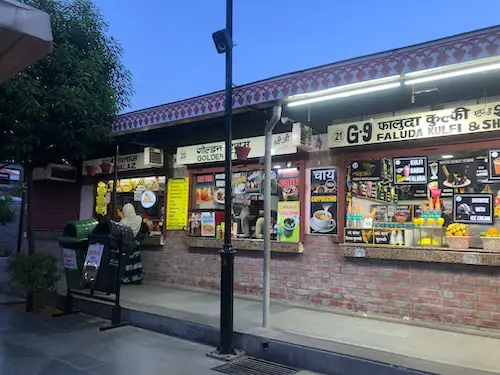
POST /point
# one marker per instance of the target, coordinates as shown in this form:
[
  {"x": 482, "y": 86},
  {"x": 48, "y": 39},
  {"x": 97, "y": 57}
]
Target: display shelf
[
  {"x": 420, "y": 254},
  {"x": 245, "y": 244}
]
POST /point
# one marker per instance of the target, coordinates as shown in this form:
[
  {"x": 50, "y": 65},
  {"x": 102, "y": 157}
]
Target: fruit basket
[
  {"x": 491, "y": 244},
  {"x": 458, "y": 242}
]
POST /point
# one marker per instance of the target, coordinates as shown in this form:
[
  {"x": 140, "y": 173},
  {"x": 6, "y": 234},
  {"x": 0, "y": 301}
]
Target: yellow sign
[{"x": 177, "y": 203}]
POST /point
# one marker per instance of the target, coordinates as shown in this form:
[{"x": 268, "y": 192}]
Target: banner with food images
[
  {"x": 289, "y": 221},
  {"x": 323, "y": 201}
]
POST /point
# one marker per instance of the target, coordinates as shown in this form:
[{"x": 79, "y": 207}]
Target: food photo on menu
[{"x": 323, "y": 186}]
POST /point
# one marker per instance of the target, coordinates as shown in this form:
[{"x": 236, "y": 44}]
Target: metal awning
[{"x": 25, "y": 37}]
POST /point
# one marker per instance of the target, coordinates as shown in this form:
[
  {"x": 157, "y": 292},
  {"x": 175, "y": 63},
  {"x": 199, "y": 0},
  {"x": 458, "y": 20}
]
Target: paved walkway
[
  {"x": 73, "y": 345},
  {"x": 464, "y": 350}
]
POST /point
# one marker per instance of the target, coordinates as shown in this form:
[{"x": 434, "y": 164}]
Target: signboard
[
  {"x": 473, "y": 208},
  {"x": 204, "y": 191},
  {"x": 220, "y": 180},
  {"x": 410, "y": 171},
  {"x": 69, "y": 259},
  {"x": 323, "y": 190},
  {"x": 207, "y": 224},
  {"x": 239, "y": 183},
  {"x": 353, "y": 236},
  {"x": 94, "y": 255},
  {"x": 215, "y": 152},
  {"x": 177, "y": 203},
  {"x": 456, "y": 173},
  {"x": 494, "y": 164},
  {"x": 254, "y": 181},
  {"x": 447, "y": 122},
  {"x": 366, "y": 170},
  {"x": 148, "y": 199},
  {"x": 129, "y": 162},
  {"x": 289, "y": 221}
]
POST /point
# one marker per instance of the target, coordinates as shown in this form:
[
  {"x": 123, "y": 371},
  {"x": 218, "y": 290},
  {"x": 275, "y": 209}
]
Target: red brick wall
[{"x": 465, "y": 295}]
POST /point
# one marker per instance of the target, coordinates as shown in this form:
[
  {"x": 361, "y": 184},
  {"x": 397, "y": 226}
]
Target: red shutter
[{"x": 55, "y": 204}]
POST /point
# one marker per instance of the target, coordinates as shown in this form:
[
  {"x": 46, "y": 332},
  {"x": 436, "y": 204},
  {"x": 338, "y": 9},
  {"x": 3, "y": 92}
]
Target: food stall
[
  {"x": 206, "y": 225},
  {"x": 441, "y": 195}
]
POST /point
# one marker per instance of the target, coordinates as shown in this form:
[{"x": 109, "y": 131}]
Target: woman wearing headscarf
[{"x": 133, "y": 267}]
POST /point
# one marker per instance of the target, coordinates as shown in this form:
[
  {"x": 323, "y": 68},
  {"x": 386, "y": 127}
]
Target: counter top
[
  {"x": 245, "y": 244},
  {"x": 421, "y": 254}
]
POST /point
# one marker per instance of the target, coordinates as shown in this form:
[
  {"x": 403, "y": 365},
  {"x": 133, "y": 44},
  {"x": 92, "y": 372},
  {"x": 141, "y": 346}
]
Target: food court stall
[
  {"x": 206, "y": 225},
  {"x": 438, "y": 200}
]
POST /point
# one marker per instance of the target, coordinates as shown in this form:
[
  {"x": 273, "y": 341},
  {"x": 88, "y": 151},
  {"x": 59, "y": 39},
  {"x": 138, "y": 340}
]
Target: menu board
[
  {"x": 410, "y": 171},
  {"x": 366, "y": 170},
  {"x": 494, "y": 164},
  {"x": 177, "y": 203},
  {"x": 408, "y": 192},
  {"x": 289, "y": 221},
  {"x": 456, "y": 173},
  {"x": 207, "y": 224},
  {"x": 289, "y": 182},
  {"x": 239, "y": 183},
  {"x": 323, "y": 188},
  {"x": 473, "y": 208},
  {"x": 254, "y": 181},
  {"x": 220, "y": 180},
  {"x": 354, "y": 236}
]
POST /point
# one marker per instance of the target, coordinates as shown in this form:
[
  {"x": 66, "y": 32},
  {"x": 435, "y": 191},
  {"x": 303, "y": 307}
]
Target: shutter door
[{"x": 55, "y": 204}]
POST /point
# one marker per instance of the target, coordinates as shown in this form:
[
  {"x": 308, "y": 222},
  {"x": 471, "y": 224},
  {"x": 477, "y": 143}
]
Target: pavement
[
  {"x": 460, "y": 352},
  {"x": 72, "y": 345}
]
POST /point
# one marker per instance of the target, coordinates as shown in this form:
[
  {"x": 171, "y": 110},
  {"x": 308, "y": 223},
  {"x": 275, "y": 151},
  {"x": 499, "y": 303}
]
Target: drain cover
[{"x": 254, "y": 366}]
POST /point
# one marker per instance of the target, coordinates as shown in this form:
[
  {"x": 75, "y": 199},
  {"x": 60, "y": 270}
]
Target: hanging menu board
[
  {"x": 456, "y": 173},
  {"x": 239, "y": 183},
  {"x": 323, "y": 201},
  {"x": 494, "y": 164},
  {"x": 410, "y": 171},
  {"x": 473, "y": 208},
  {"x": 177, "y": 203},
  {"x": 366, "y": 170}
]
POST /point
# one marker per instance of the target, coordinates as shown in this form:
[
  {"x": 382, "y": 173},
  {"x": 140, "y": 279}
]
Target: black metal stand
[{"x": 116, "y": 315}]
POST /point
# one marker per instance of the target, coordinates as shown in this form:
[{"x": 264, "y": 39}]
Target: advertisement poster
[
  {"x": 410, "y": 171},
  {"x": 94, "y": 255},
  {"x": 456, "y": 173},
  {"x": 177, "y": 203},
  {"x": 473, "y": 208},
  {"x": 494, "y": 164},
  {"x": 323, "y": 201},
  {"x": 220, "y": 180},
  {"x": 69, "y": 259},
  {"x": 204, "y": 191},
  {"x": 289, "y": 182},
  {"x": 366, "y": 170},
  {"x": 207, "y": 224},
  {"x": 239, "y": 183},
  {"x": 289, "y": 221},
  {"x": 254, "y": 181}
]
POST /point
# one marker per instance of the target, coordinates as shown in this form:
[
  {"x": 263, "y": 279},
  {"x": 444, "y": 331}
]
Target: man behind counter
[{"x": 259, "y": 225}]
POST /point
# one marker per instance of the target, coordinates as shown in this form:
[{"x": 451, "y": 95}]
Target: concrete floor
[
  {"x": 34, "y": 345},
  {"x": 464, "y": 350}
]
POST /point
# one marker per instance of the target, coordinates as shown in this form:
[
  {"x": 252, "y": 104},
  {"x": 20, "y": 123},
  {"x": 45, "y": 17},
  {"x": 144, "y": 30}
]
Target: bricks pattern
[{"x": 321, "y": 276}]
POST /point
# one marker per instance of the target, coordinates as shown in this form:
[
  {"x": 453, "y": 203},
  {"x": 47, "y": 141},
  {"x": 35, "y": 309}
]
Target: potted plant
[
  {"x": 242, "y": 152},
  {"x": 107, "y": 168},
  {"x": 35, "y": 273},
  {"x": 91, "y": 170}
]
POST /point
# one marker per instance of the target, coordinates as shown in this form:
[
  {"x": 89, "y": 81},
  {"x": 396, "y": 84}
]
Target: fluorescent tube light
[
  {"x": 447, "y": 156},
  {"x": 456, "y": 73},
  {"x": 346, "y": 94},
  {"x": 349, "y": 86}
]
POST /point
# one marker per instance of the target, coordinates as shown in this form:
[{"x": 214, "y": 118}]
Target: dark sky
[{"x": 169, "y": 49}]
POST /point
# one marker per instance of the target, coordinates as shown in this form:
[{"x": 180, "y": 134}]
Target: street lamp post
[{"x": 224, "y": 44}]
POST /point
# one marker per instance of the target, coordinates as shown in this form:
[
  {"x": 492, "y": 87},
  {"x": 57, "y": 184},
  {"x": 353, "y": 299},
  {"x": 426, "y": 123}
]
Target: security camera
[{"x": 223, "y": 41}]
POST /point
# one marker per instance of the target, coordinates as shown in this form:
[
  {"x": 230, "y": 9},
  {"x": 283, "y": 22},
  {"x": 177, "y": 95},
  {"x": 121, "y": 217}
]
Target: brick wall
[{"x": 465, "y": 295}]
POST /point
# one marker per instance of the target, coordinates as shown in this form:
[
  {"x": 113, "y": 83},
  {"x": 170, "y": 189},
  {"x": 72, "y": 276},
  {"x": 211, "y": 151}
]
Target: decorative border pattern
[{"x": 461, "y": 48}]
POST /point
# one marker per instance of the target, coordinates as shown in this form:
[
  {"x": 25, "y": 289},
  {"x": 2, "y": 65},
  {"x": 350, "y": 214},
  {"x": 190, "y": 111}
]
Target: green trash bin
[{"x": 74, "y": 243}]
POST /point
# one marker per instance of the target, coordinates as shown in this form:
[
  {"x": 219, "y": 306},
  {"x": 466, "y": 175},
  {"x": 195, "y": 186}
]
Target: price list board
[{"x": 177, "y": 203}]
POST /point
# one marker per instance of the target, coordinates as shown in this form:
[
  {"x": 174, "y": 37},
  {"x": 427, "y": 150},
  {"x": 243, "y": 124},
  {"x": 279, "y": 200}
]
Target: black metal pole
[
  {"x": 227, "y": 252},
  {"x": 115, "y": 180}
]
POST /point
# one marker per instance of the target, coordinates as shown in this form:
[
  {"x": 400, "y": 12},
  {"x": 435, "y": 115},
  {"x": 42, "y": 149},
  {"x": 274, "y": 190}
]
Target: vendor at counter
[{"x": 259, "y": 225}]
